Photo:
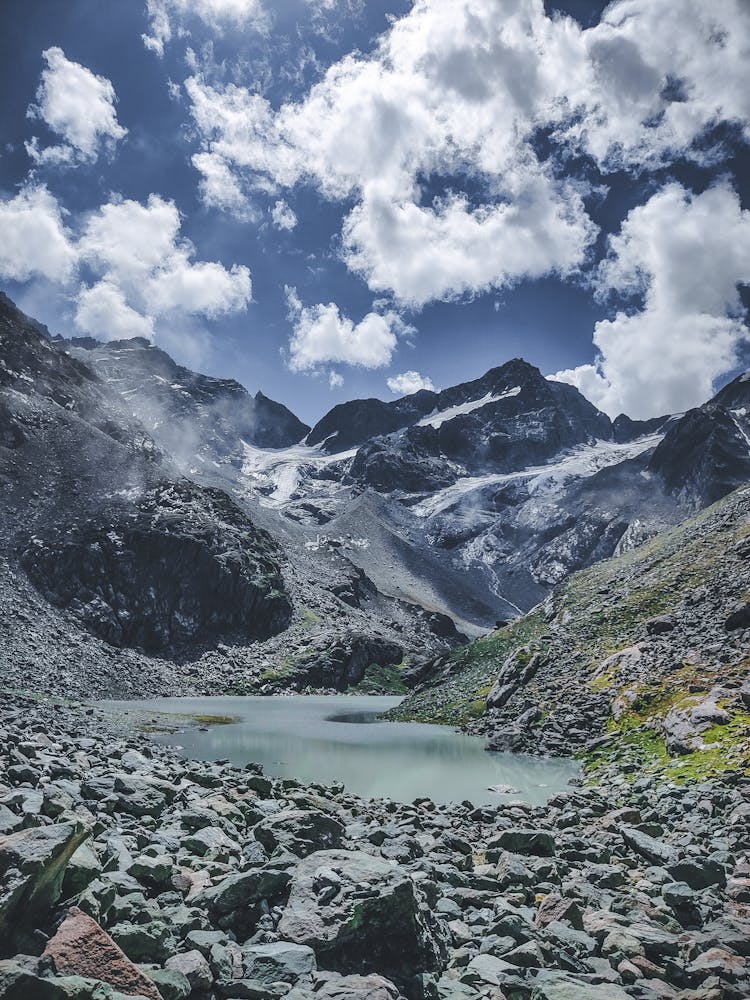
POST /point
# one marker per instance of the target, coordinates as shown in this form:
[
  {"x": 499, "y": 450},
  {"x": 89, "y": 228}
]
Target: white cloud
[
  {"x": 457, "y": 89},
  {"x": 168, "y": 18},
  {"x": 146, "y": 277},
  {"x": 35, "y": 241},
  {"x": 79, "y": 106},
  {"x": 138, "y": 249},
  {"x": 103, "y": 313},
  {"x": 335, "y": 381},
  {"x": 220, "y": 188},
  {"x": 686, "y": 254},
  {"x": 408, "y": 382},
  {"x": 283, "y": 216},
  {"x": 322, "y": 335}
]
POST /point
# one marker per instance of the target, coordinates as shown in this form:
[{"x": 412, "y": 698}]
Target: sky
[{"x": 330, "y": 199}]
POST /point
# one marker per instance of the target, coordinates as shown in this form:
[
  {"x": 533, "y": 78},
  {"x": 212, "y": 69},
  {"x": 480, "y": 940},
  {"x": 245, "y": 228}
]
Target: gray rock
[
  {"x": 194, "y": 967},
  {"x": 655, "y": 851},
  {"x": 300, "y": 831},
  {"x": 32, "y": 868},
  {"x": 377, "y": 921},
  {"x": 278, "y": 962}
]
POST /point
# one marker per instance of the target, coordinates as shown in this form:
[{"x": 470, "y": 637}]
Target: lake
[{"x": 326, "y": 738}]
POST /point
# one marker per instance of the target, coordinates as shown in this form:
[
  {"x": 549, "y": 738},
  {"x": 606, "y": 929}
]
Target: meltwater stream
[{"x": 327, "y": 738}]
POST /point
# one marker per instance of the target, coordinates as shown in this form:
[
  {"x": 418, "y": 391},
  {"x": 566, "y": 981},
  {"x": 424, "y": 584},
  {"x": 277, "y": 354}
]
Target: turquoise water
[{"x": 330, "y": 738}]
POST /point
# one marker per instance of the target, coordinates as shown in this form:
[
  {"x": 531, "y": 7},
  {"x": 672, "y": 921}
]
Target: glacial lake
[{"x": 326, "y": 738}]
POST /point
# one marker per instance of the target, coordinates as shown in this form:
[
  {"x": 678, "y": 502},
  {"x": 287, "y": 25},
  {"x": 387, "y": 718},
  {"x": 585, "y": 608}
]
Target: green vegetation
[
  {"x": 598, "y": 612},
  {"x": 382, "y": 680}
]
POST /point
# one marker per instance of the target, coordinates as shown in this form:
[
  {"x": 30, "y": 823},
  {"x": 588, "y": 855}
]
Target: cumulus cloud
[
  {"x": 685, "y": 255},
  {"x": 283, "y": 216},
  {"x": 408, "y": 382},
  {"x": 322, "y": 335},
  {"x": 137, "y": 249},
  {"x": 79, "y": 106},
  {"x": 169, "y": 18},
  {"x": 432, "y": 135},
  {"x": 103, "y": 312},
  {"x": 35, "y": 242},
  {"x": 144, "y": 270},
  {"x": 335, "y": 381}
]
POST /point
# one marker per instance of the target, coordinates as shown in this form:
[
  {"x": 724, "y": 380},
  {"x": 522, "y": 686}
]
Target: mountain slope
[
  {"x": 508, "y": 482},
  {"x": 103, "y": 524},
  {"x": 707, "y": 453},
  {"x": 643, "y": 655},
  {"x": 197, "y": 418}
]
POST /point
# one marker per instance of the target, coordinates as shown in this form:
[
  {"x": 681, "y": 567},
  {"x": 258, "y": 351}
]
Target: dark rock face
[
  {"x": 196, "y": 415},
  {"x": 706, "y": 454},
  {"x": 626, "y": 429},
  {"x": 345, "y": 662},
  {"x": 102, "y": 523},
  {"x": 509, "y": 419},
  {"x": 350, "y": 424},
  {"x": 179, "y": 564}
]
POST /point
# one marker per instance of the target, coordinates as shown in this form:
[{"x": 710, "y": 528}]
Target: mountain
[
  {"x": 707, "y": 453},
  {"x": 119, "y": 571},
  {"x": 198, "y": 418},
  {"x": 508, "y": 482},
  {"x": 178, "y": 519},
  {"x": 101, "y": 521},
  {"x": 641, "y": 659}
]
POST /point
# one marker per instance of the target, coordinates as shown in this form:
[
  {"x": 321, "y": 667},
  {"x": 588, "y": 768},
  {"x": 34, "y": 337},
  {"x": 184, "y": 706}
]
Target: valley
[{"x": 568, "y": 591}]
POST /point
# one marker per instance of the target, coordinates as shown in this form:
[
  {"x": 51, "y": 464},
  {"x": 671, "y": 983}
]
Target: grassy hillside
[{"x": 632, "y": 649}]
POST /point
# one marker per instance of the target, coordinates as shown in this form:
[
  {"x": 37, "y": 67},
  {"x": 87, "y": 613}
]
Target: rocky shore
[{"x": 128, "y": 871}]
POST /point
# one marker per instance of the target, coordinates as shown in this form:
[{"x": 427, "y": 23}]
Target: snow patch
[
  {"x": 439, "y": 417},
  {"x": 580, "y": 462},
  {"x": 277, "y": 473}
]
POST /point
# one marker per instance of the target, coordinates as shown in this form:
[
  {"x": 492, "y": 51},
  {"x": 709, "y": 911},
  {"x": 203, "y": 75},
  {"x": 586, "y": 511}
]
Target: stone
[
  {"x": 278, "y": 962},
  {"x": 210, "y": 839},
  {"x": 80, "y": 947},
  {"x": 300, "y": 831},
  {"x": 32, "y": 869},
  {"x": 83, "y": 868},
  {"x": 378, "y": 920},
  {"x": 147, "y": 942},
  {"x": 152, "y": 870},
  {"x": 554, "y": 907},
  {"x": 653, "y": 850},
  {"x": 194, "y": 968},
  {"x": 332, "y": 986},
  {"x": 171, "y": 984},
  {"x": 699, "y": 873},
  {"x": 562, "y": 987},
  {"x": 242, "y": 889},
  {"x": 540, "y": 843}
]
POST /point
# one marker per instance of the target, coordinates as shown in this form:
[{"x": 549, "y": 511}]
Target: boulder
[
  {"x": 300, "y": 831},
  {"x": 653, "y": 850},
  {"x": 361, "y": 914},
  {"x": 242, "y": 889},
  {"x": 81, "y": 947},
  {"x": 194, "y": 968},
  {"x": 332, "y": 986},
  {"x": 517, "y": 840},
  {"x": 278, "y": 962},
  {"x": 555, "y": 986},
  {"x": 32, "y": 868}
]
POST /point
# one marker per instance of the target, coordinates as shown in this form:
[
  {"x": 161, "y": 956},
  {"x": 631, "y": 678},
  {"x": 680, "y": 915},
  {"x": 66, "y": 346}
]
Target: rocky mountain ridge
[{"x": 448, "y": 511}]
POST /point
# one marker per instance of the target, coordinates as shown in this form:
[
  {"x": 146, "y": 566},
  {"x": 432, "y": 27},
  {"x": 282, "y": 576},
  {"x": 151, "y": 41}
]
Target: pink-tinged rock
[{"x": 82, "y": 948}]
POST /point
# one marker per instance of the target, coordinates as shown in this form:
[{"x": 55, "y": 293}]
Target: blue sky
[{"x": 317, "y": 197}]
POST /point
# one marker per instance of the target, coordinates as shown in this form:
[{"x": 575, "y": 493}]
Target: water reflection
[{"x": 339, "y": 738}]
